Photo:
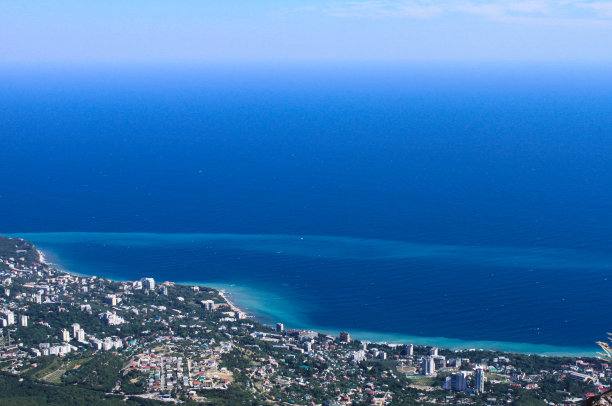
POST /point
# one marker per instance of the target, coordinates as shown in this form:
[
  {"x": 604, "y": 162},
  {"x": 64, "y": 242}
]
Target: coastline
[
  {"x": 231, "y": 305},
  {"x": 250, "y": 302},
  {"x": 221, "y": 292},
  {"x": 41, "y": 257},
  {"x": 244, "y": 298}
]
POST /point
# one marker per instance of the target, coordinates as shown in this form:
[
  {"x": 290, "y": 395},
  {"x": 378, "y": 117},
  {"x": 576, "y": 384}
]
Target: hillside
[{"x": 17, "y": 248}]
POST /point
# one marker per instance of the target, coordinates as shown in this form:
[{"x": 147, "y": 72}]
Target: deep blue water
[{"x": 461, "y": 202}]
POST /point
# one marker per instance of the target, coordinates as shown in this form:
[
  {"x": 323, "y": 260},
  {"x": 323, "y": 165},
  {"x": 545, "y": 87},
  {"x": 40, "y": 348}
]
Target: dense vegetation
[
  {"x": 100, "y": 372},
  {"x": 18, "y": 248},
  {"x": 21, "y": 391}
]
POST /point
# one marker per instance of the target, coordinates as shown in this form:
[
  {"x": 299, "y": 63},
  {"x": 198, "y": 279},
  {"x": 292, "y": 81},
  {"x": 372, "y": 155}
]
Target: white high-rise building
[
  {"x": 429, "y": 366},
  {"x": 111, "y": 300},
  {"x": 9, "y": 316},
  {"x": 148, "y": 283},
  {"x": 80, "y": 335},
  {"x": 75, "y": 328},
  {"x": 433, "y": 351},
  {"x": 208, "y": 305},
  {"x": 117, "y": 343},
  {"x": 457, "y": 382},
  {"x": 410, "y": 350},
  {"x": 479, "y": 380},
  {"x": 23, "y": 320},
  {"x": 65, "y": 335},
  {"x": 447, "y": 384}
]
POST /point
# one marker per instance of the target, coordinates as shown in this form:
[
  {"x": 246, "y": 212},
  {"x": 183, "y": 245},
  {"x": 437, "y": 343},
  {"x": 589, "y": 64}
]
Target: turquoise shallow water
[
  {"x": 331, "y": 283},
  {"x": 270, "y": 308}
]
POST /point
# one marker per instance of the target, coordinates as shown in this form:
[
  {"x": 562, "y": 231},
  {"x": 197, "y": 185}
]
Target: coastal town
[{"x": 149, "y": 342}]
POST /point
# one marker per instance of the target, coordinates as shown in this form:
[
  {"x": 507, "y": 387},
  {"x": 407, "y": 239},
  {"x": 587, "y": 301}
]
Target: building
[
  {"x": 111, "y": 300},
  {"x": 80, "y": 335},
  {"x": 409, "y": 350},
  {"x": 208, "y": 305},
  {"x": 456, "y": 382},
  {"x": 433, "y": 351},
  {"x": 75, "y": 328},
  {"x": 479, "y": 380},
  {"x": 117, "y": 343},
  {"x": 111, "y": 319},
  {"x": 577, "y": 376},
  {"x": 429, "y": 366},
  {"x": 345, "y": 337},
  {"x": 280, "y": 327},
  {"x": 148, "y": 283},
  {"x": 65, "y": 335},
  {"x": 9, "y": 316},
  {"x": 107, "y": 344},
  {"x": 358, "y": 356},
  {"x": 440, "y": 359},
  {"x": 96, "y": 344},
  {"x": 23, "y": 320},
  {"x": 57, "y": 349},
  {"x": 454, "y": 362}
]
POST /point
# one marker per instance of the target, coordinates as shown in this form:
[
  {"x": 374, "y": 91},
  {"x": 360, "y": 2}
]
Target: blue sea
[{"x": 460, "y": 206}]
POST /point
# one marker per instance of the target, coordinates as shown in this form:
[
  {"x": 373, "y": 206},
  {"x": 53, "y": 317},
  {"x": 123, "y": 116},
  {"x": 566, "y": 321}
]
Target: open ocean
[{"x": 458, "y": 206}]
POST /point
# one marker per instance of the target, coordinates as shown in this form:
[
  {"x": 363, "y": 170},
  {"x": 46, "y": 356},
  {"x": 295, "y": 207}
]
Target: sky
[{"x": 46, "y": 32}]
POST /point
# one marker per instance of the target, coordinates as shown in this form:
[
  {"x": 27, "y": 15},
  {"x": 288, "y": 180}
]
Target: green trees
[
  {"x": 16, "y": 248},
  {"x": 100, "y": 373}
]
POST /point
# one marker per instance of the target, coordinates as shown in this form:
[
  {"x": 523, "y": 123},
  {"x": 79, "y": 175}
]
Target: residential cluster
[{"x": 178, "y": 343}]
